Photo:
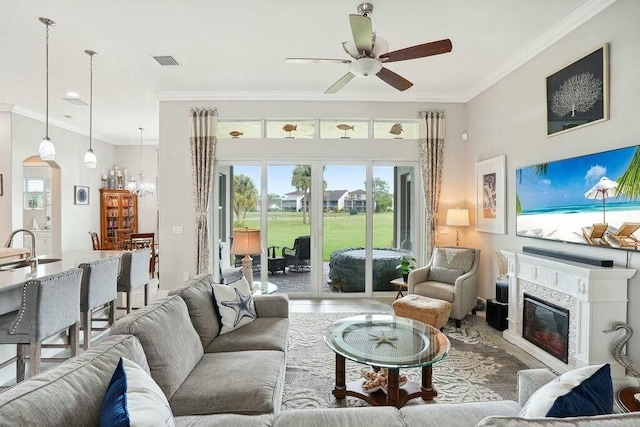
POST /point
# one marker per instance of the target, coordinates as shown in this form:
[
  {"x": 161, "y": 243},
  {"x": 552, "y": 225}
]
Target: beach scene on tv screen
[{"x": 592, "y": 199}]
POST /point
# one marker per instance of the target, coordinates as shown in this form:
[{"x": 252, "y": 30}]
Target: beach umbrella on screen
[{"x": 603, "y": 189}]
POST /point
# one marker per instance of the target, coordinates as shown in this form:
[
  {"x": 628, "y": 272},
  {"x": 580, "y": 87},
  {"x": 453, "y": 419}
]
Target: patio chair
[
  {"x": 595, "y": 234},
  {"x": 298, "y": 257},
  {"x": 624, "y": 235}
]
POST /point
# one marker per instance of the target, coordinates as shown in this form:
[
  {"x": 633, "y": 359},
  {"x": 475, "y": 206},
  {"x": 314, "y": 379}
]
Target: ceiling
[{"x": 235, "y": 49}]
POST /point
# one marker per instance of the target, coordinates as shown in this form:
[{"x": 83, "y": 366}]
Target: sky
[
  {"x": 338, "y": 177},
  {"x": 568, "y": 180}
]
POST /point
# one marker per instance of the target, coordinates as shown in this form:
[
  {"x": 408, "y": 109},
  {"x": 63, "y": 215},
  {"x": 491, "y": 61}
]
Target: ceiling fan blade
[
  {"x": 362, "y": 33},
  {"x": 394, "y": 79},
  {"x": 419, "y": 51},
  {"x": 316, "y": 61},
  {"x": 340, "y": 83}
]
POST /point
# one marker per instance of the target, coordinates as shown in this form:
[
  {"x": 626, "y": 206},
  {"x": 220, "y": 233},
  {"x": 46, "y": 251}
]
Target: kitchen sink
[{"x": 10, "y": 266}]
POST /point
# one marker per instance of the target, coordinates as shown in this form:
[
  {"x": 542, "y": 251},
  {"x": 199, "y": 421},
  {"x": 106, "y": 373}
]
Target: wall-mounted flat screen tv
[{"x": 592, "y": 200}]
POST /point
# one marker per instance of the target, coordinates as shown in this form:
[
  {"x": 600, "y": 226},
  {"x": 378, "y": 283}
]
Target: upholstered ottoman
[{"x": 433, "y": 312}]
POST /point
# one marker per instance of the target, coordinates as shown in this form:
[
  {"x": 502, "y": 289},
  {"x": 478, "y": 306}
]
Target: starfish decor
[
  {"x": 383, "y": 339},
  {"x": 242, "y": 306}
]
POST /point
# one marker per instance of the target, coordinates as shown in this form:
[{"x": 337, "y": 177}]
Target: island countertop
[{"x": 15, "y": 278}]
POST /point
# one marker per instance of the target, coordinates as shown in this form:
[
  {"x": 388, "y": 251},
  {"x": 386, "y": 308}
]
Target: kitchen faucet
[{"x": 33, "y": 260}]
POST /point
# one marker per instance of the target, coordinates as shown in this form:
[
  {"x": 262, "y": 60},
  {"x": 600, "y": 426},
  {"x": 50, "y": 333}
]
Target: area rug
[{"x": 476, "y": 369}]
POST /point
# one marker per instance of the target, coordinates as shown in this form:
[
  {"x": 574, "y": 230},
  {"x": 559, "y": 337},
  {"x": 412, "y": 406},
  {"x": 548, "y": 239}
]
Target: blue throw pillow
[
  {"x": 584, "y": 391},
  {"x": 133, "y": 399}
]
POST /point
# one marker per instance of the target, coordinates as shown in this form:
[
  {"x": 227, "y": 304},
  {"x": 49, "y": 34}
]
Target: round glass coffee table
[{"x": 386, "y": 341}]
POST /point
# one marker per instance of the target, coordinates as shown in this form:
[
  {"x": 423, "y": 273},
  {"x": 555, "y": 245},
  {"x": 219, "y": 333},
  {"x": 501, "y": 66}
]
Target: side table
[
  {"x": 400, "y": 285},
  {"x": 626, "y": 401}
]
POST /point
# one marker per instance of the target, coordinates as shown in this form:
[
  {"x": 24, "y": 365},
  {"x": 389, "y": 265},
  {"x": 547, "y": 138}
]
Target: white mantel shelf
[{"x": 594, "y": 295}]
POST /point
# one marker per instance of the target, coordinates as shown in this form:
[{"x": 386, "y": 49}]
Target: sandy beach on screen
[{"x": 567, "y": 227}]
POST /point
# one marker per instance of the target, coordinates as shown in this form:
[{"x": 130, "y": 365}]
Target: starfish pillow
[{"x": 235, "y": 305}]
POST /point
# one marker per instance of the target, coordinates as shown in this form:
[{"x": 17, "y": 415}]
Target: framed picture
[
  {"x": 578, "y": 95},
  {"x": 491, "y": 192},
  {"x": 81, "y": 195}
]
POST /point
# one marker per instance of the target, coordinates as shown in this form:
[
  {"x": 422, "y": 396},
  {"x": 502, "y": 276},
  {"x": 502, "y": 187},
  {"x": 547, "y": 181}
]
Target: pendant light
[
  {"x": 90, "y": 160},
  {"x": 140, "y": 186},
  {"x": 47, "y": 150}
]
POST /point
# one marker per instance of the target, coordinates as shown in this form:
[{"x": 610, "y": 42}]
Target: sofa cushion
[
  {"x": 170, "y": 342},
  {"x": 458, "y": 259},
  {"x": 579, "y": 392},
  {"x": 617, "y": 420},
  {"x": 438, "y": 290},
  {"x": 269, "y": 333},
  {"x": 134, "y": 399},
  {"x": 235, "y": 305},
  {"x": 197, "y": 294},
  {"x": 225, "y": 420},
  {"x": 446, "y": 275},
  {"x": 456, "y": 414},
  {"x": 71, "y": 393},
  {"x": 381, "y": 416},
  {"x": 248, "y": 382}
]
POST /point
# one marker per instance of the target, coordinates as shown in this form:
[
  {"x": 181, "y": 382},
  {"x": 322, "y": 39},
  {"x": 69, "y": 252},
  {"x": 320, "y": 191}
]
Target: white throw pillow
[
  {"x": 134, "y": 399},
  {"x": 235, "y": 305}
]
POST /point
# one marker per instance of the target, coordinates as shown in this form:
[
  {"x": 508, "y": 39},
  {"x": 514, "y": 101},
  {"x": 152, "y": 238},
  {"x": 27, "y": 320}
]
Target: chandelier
[{"x": 140, "y": 186}]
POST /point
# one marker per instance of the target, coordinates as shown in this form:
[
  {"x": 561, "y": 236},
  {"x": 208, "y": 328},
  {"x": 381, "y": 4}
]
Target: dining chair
[
  {"x": 146, "y": 240},
  {"x": 123, "y": 238},
  {"x": 95, "y": 241}
]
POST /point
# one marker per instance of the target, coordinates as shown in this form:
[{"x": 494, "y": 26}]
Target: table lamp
[
  {"x": 459, "y": 218},
  {"x": 246, "y": 241}
]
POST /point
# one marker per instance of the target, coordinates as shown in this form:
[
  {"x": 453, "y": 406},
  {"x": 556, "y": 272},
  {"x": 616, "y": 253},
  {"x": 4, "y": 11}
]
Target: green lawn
[{"x": 341, "y": 230}]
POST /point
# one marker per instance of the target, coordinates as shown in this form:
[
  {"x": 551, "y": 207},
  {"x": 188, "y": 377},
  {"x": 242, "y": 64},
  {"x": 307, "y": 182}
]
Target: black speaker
[{"x": 497, "y": 314}]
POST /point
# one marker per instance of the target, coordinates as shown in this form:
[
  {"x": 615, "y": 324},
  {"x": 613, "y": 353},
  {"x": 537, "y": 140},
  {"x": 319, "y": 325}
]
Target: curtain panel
[
  {"x": 431, "y": 147},
  {"x": 203, "y": 148}
]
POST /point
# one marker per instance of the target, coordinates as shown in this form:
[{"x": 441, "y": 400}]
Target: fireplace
[{"x": 547, "y": 326}]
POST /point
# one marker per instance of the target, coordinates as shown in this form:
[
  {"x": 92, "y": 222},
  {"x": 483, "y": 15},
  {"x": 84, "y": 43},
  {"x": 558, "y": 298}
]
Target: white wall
[
  {"x": 76, "y": 220},
  {"x": 5, "y": 170},
  {"x": 176, "y": 201},
  {"x": 510, "y": 118}
]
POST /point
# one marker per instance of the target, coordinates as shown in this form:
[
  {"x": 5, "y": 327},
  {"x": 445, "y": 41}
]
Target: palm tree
[
  {"x": 629, "y": 182},
  {"x": 245, "y": 196},
  {"x": 301, "y": 180},
  {"x": 539, "y": 171}
]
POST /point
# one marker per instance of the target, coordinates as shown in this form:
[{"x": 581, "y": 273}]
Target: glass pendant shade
[
  {"x": 90, "y": 159},
  {"x": 47, "y": 150},
  {"x": 140, "y": 186}
]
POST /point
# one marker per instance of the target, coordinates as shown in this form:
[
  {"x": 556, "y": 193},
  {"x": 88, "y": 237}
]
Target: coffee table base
[{"x": 395, "y": 396}]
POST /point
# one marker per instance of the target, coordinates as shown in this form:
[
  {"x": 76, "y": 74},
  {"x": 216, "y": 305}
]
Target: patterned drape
[
  {"x": 203, "y": 148},
  {"x": 431, "y": 146}
]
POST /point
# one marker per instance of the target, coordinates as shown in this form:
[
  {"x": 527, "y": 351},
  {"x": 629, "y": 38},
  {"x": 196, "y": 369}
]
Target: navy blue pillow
[
  {"x": 593, "y": 396},
  {"x": 114, "y": 405}
]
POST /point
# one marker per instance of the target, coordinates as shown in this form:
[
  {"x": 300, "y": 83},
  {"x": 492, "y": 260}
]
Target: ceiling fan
[{"x": 369, "y": 52}]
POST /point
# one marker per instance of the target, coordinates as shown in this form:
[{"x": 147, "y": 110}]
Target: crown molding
[
  {"x": 579, "y": 16},
  {"x": 305, "y": 96}
]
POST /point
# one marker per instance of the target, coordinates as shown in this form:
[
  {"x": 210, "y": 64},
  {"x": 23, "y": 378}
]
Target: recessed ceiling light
[{"x": 73, "y": 94}]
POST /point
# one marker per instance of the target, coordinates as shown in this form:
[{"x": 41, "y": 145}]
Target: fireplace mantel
[{"x": 595, "y": 297}]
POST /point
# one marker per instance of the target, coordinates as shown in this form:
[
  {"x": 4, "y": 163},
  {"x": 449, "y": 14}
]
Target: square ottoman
[{"x": 433, "y": 312}]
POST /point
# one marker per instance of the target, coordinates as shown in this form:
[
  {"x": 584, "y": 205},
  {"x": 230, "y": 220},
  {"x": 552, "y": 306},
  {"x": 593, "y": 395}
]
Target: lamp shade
[
  {"x": 90, "y": 160},
  {"x": 246, "y": 241},
  {"x": 458, "y": 217},
  {"x": 46, "y": 150}
]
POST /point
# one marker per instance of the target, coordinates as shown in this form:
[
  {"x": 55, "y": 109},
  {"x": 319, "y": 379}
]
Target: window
[{"x": 34, "y": 193}]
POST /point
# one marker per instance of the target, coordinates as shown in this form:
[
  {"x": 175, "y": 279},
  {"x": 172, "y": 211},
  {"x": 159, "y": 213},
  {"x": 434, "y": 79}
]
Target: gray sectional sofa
[{"x": 235, "y": 379}]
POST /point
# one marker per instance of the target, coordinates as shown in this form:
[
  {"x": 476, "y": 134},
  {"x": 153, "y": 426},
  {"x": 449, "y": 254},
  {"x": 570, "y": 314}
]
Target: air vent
[
  {"x": 166, "y": 60},
  {"x": 75, "y": 101}
]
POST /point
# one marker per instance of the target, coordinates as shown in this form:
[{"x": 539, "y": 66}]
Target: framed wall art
[
  {"x": 491, "y": 191},
  {"x": 578, "y": 94},
  {"x": 81, "y": 195}
]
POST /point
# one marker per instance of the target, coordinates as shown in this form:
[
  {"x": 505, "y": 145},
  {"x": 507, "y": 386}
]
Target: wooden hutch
[{"x": 118, "y": 210}]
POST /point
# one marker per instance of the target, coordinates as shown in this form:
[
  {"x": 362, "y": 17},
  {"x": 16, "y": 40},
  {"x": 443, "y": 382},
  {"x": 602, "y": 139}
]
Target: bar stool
[
  {"x": 49, "y": 305},
  {"x": 134, "y": 273},
  {"x": 99, "y": 291}
]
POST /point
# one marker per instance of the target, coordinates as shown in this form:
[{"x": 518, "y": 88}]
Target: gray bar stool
[
  {"x": 99, "y": 290},
  {"x": 49, "y": 305},
  {"x": 134, "y": 273}
]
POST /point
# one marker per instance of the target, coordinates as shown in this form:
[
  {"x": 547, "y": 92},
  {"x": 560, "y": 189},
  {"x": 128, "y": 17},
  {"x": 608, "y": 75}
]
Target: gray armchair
[{"x": 451, "y": 275}]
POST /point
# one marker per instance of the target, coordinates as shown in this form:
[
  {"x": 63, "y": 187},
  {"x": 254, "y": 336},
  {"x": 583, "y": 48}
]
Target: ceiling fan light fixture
[{"x": 363, "y": 67}]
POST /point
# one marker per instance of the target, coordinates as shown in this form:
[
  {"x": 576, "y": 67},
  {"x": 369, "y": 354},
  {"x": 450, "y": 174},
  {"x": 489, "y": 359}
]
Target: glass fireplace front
[{"x": 547, "y": 326}]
